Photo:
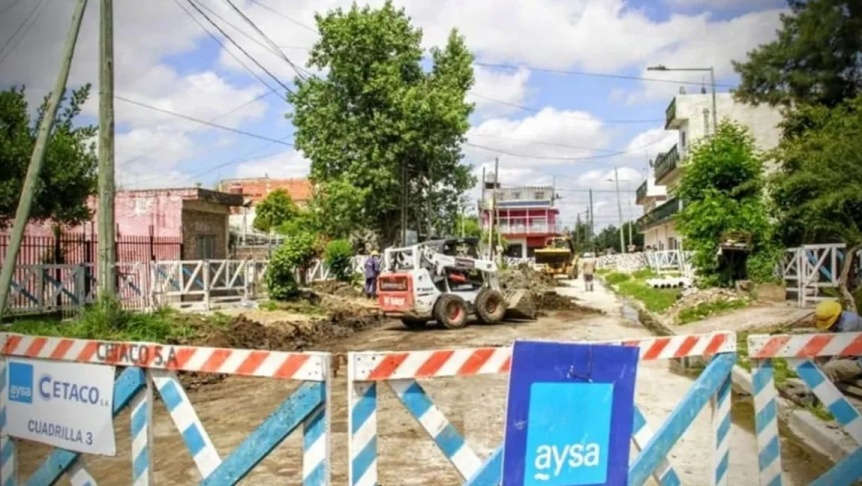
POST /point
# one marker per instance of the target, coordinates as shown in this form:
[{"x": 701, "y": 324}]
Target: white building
[{"x": 691, "y": 116}]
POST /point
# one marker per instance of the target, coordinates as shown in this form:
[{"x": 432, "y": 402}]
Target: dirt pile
[
  {"x": 693, "y": 297},
  {"x": 540, "y": 294},
  {"x": 245, "y": 333},
  {"x": 524, "y": 277},
  {"x": 552, "y": 301}
]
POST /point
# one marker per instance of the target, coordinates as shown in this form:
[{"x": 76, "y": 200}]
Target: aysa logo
[
  {"x": 568, "y": 432},
  {"x": 21, "y": 382}
]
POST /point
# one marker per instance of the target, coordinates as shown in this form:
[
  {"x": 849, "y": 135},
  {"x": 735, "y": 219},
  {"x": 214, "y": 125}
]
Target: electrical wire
[
  {"x": 27, "y": 24},
  {"x": 232, "y": 41},
  {"x": 204, "y": 122},
  {"x": 268, "y": 40},
  {"x": 239, "y": 160},
  {"x": 595, "y": 74},
  {"x": 539, "y": 157},
  {"x": 276, "y": 12},
  {"x": 10, "y": 6},
  {"x": 582, "y": 118}
]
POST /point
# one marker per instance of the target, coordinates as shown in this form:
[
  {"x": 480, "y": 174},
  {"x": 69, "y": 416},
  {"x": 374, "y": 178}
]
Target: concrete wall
[
  {"x": 204, "y": 221},
  {"x": 662, "y": 237},
  {"x": 761, "y": 120}
]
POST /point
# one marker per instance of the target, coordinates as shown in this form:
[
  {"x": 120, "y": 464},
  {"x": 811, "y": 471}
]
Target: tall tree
[
  {"x": 814, "y": 60},
  {"x": 68, "y": 176},
  {"x": 722, "y": 191},
  {"x": 381, "y": 124},
  {"x": 818, "y": 190}
]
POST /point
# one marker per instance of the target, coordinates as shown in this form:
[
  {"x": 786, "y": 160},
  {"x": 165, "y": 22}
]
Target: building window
[
  {"x": 206, "y": 247},
  {"x": 539, "y": 195},
  {"x": 516, "y": 196}
]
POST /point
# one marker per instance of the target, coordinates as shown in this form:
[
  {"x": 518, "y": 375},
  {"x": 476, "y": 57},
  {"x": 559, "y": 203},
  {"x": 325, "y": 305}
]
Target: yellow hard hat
[
  {"x": 374, "y": 253},
  {"x": 826, "y": 313}
]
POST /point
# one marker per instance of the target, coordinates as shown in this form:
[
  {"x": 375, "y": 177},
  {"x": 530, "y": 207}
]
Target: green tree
[
  {"x": 722, "y": 192},
  {"x": 814, "y": 60},
  {"x": 274, "y": 210},
  {"x": 68, "y": 177},
  {"x": 380, "y": 124},
  {"x": 609, "y": 237},
  {"x": 468, "y": 226},
  {"x": 818, "y": 190},
  {"x": 337, "y": 256}
]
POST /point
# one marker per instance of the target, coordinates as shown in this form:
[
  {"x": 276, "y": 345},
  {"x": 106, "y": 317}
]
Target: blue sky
[{"x": 166, "y": 60}]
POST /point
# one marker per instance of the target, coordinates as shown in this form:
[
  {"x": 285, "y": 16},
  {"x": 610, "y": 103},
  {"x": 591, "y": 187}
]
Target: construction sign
[{"x": 569, "y": 415}]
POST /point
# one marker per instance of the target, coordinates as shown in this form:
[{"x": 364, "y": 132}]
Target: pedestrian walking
[
  {"x": 372, "y": 270},
  {"x": 588, "y": 270}
]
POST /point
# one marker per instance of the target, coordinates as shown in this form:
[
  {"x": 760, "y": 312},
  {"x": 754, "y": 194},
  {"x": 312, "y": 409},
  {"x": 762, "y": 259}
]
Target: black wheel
[
  {"x": 490, "y": 306},
  {"x": 451, "y": 311},
  {"x": 414, "y": 323}
]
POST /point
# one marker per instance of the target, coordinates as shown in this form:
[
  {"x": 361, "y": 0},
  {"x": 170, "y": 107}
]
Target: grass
[
  {"x": 655, "y": 300},
  {"x": 109, "y": 322},
  {"x": 706, "y": 309},
  {"x": 615, "y": 278}
]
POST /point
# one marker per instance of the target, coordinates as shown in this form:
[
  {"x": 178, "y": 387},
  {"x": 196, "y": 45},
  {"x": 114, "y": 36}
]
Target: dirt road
[{"x": 475, "y": 406}]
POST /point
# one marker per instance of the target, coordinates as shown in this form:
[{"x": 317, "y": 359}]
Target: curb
[{"x": 823, "y": 437}]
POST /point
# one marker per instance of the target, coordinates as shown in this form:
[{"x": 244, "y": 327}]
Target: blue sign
[{"x": 570, "y": 414}]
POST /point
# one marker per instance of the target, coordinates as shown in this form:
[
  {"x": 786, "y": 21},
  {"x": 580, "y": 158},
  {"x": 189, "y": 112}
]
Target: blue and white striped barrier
[
  {"x": 152, "y": 367},
  {"x": 400, "y": 370},
  {"x": 799, "y": 350}
]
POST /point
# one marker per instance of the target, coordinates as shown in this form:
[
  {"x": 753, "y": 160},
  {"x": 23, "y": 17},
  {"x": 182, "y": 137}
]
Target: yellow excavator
[{"x": 558, "y": 257}]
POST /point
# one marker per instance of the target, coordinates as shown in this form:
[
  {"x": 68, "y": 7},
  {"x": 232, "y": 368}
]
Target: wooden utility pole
[
  {"x": 105, "y": 214},
  {"x": 620, "y": 209},
  {"x": 592, "y": 226},
  {"x": 496, "y": 213},
  {"x": 25, "y": 202},
  {"x": 403, "y": 203}
]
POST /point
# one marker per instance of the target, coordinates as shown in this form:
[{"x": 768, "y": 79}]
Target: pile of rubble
[
  {"x": 693, "y": 297},
  {"x": 531, "y": 293}
]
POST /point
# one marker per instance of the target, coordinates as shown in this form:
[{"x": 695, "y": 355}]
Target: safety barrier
[
  {"x": 400, "y": 370},
  {"x": 799, "y": 350},
  {"x": 153, "y": 366}
]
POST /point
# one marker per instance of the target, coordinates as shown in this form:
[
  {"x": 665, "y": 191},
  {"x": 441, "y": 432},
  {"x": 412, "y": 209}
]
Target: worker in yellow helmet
[{"x": 829, "y": 316}]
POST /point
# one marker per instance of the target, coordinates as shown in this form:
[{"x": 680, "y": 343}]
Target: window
[
  {"x": 206, "y": 246},
  {"x": 539, "y": 195},
  {"x": 516, "y": 196}
]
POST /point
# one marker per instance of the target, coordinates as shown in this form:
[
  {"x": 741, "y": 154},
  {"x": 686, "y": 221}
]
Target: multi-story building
[
  {"x": 525, "y": 216},
  {"x": 690, "y": 115}
]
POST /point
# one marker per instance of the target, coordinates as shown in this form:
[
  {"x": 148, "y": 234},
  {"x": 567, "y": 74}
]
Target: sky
[{"x": 561, "y": 89}]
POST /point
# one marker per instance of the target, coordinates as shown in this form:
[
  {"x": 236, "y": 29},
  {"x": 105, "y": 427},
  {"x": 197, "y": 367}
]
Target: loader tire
[
  {"x": 490, "y": 306},
  {"x": 451, "y": 311},
  {"x": 414, "y": 323}
]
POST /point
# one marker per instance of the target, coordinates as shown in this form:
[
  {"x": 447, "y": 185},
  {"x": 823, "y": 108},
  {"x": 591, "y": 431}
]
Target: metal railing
[
  {"x": 666, "y": 163},
  {"x": 660, "y": 214},
  {"x": 641, "y": 193},
  {"x": 670, "y": 113}
]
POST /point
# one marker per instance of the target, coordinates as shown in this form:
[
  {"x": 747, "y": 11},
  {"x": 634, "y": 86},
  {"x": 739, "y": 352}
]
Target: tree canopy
[
  {"x": 69, "y": 170},
  {"x": 379, "y": 123},
  {"x": 722, "y": 192},
  {"x": 276, "y": 209},
  {"x": 814, "y": 60}
]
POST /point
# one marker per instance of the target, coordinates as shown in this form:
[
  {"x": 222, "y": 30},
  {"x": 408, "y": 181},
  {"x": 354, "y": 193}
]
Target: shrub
[
  {"x": 337, "y": 256},
  {"x": 295, "y": 254}
]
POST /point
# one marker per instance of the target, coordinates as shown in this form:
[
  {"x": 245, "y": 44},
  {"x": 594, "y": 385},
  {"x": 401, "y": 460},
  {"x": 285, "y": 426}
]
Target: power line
[
  {"x": 204, "y": 122},
  {"x": 10, "y": 6},
  {"x": 539, "y": 157},
  {"x": 27, "y": 24},
  {"x": 566, "y": 115},
  {"x": 538, "y": 142},
  {"x": 594, "y": 74},
  {"x": 220, "y": 43},
  {"x": 262, "y": 34},
  {"x": 239, "y": 160},
  {"x": 276, "y": 12},
  {"x": 232, "y": 41}
]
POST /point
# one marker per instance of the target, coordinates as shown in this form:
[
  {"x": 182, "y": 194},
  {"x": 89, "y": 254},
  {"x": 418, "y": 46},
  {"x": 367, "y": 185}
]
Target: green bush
[
  {"x": 337, "y": 255},
  {"x": 615, "y": 278},
  {"x": 291, "y": 257}
]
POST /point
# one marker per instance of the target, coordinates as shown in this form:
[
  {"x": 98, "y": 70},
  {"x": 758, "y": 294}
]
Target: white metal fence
[{"x": 810, "y": 269}]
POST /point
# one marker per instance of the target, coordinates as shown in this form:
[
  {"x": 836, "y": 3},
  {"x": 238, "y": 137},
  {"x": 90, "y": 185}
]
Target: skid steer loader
[{"x": 444, "y": 281}]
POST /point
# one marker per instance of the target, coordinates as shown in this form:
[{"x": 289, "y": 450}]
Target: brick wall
[{"x": 204, "y": 230}]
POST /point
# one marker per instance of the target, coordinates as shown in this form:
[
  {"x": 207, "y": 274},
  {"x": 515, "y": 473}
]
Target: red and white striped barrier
[{"x": 805, "y": 345}]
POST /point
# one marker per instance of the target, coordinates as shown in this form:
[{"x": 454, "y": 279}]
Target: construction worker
[
  {"x": 588, "y": 270},
  {"x": 829, "y": 316},
  {"x": 372, "y": 270}
]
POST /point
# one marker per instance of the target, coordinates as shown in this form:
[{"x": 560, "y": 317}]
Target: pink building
[
  {"x": 525, "y": 216},
  {"x": 193, "y": 219}
]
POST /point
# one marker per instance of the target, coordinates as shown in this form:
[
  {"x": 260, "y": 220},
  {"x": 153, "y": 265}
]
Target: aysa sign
[
  {"x": 569, "y": 415},
  {"x": 68, "y": 405}
]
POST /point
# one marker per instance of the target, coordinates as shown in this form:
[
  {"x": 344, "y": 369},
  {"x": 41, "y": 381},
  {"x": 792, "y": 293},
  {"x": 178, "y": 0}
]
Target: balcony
[
  {"x": 671, "y": 122},
  {"x": 659, "y": 215},
  {"x": 641, "y": 193},
  {"x": 665, "y": 164},
  {"x": 534, "y": 229}
]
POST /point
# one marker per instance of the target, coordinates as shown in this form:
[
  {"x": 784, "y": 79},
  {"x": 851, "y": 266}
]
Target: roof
[
  {"x": 189, "y": 193},
  {"x": 255, "y": 189}
]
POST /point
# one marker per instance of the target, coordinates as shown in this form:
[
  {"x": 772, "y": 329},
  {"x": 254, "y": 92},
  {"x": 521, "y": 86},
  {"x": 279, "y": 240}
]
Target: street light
[
  {"x": 616, "y": 179},
  {"x": 711, "y": 70}
]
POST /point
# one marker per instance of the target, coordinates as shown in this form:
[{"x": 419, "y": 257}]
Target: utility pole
[
  {"x": 592, "y": 226},
  {"x": 494, "y": 212},
  {"x": 631, "y": 223},
  {"x": 620, "y": 209},
  {"x": 403, "y": 203},
  {"x": 107, "y": 226},
  {"x": 25, "y": 202}
]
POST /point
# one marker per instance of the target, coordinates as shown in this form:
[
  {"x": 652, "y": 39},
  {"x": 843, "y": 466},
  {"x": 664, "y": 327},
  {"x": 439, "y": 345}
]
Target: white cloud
[
  {"x": 495, "y": 92},
  {"x": 687, "y": 4},
  {"x": 286, "y": 164}
]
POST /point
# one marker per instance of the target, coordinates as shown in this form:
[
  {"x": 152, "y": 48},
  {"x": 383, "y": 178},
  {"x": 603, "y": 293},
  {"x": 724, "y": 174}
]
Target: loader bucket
[{"x": 520, "y": 305}]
